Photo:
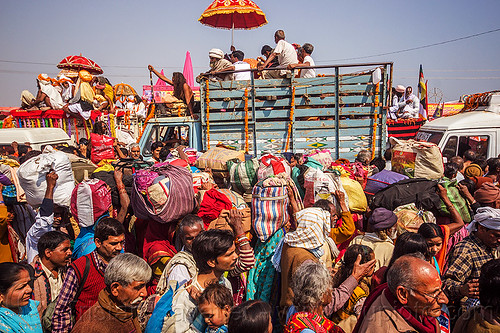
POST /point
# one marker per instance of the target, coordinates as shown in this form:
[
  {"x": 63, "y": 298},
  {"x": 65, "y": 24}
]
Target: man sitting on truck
[
  {"x": 304, "y": 54},
  {"x": 409, "y": 105},
  {"x": 286, "y": 55},
  {"x": 217, "y": 64}
]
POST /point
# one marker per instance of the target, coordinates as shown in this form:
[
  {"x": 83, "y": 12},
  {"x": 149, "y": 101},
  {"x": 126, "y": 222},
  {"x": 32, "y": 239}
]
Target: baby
[{"x": 215, "y": 305}]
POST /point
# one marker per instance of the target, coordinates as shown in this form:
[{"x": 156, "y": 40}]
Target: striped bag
[
  {"x": 243, "y": 175},
  {"x": 270, "y": 207}
]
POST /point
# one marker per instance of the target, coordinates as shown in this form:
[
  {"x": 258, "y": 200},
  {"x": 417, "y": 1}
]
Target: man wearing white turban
[
  {"x": 47, "y": 94},
  {"x": 217, "y": 64},
  {"x": 468, "y": 256}
]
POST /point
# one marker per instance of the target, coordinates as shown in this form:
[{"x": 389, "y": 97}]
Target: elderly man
[
  {"x": 408, "y": 105},
  {"x": 182, "y": 267},
  {"x": 410, "y": 302},
  {"x": 470, "y": 254},
  {"x": 125, "y": 278},
  {"x": 286, "y": 56},
  {"x": 217, "y": 64},
  {"x": 397, "y": 95}
]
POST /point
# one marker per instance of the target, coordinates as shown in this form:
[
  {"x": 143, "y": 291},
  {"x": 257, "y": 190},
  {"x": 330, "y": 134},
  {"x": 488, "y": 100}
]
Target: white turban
[
  {"x": 487, "y": 217},
  {"x": 400, "y": 88},
  {"x": 216, "y": 53}
]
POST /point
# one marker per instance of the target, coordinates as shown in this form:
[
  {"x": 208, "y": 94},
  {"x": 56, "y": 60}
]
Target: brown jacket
[{"x": 382, "y": 318}]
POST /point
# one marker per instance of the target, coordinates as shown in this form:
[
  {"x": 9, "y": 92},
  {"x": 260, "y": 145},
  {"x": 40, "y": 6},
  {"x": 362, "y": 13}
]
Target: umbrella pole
[{"x": 232, "y": 30}]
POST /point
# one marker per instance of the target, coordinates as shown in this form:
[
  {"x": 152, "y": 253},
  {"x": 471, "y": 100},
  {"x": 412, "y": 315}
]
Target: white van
[
  {"x": 477, "y": 130},
  {"x": 37, "y": 137}
]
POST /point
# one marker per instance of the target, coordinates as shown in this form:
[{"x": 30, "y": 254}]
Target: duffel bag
[
  {"x": 381, "y": 180},
  {"x": 32, "y": 173},
  {"x": 102, "y": 148},
  {"x": 271, "y": 165},
  {"x": 417, "y": 159},
  {"x": 269, "y": 206},
  {"x": 216, "y": 160},
  {"x": 178, "y": 194},
  {"x": 89, "y": 201},
  {"x": 243, "y": 175},
  {"x": 322, "y": 156},
  {"x": 354, "y": 190}
]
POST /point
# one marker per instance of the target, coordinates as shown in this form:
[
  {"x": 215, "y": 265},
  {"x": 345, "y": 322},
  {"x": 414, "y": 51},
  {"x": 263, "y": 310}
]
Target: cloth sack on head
[
  {"x": 410, "y": 218},
  {"x": 32, "y": 174},
  {"x": 90, "y": 200},
  {"x": 322, "y": 156},
  {"x": 488, "y": 193},
  {"x": 272, "y": 165},
  {"x": 243, "y": 175},
  {"x": 313, "y": 227},
  {"x": 487, "y": 217}
]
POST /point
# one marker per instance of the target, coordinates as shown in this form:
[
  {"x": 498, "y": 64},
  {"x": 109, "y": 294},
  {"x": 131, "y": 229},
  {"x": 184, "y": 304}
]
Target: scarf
[
  {"x": 27, "y": 321},
  {"x": 313, "y": 321},
  {"x": 110, "y": 307},
  {"x": 212, "y": 204}
]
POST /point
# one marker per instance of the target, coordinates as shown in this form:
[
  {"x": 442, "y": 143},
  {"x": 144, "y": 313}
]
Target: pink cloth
[{"x": 188, "y": 70}]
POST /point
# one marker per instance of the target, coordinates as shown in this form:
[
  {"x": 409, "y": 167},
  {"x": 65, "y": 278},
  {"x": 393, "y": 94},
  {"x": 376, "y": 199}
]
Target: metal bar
[
  {"x": 387, "y": 97},
  {"x": 292, "y": 133},
  {"x": 254, "y": 119},
  {"x": 337, "y": 114}
]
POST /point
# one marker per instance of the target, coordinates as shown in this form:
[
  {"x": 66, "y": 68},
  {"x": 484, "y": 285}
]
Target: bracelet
[
  {"x": 120, "y": 187},
  {"x": 242, "y": 240},
  {"x": 241, "y": 235}
]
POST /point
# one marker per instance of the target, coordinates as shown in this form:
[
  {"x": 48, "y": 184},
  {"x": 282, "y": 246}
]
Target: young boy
[{"x": 215, "y": 305}]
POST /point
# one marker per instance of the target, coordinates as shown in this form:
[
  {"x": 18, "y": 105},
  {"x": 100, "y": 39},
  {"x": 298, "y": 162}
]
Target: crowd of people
[{"x": 206, "y": 265}]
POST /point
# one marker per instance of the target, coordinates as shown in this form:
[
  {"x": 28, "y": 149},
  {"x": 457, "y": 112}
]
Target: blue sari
[{"x": 27, "y": 321}]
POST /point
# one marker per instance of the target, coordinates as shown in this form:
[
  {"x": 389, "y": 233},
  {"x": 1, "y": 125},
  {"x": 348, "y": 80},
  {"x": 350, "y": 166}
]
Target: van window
[
  {"x": 478, "y": 144},
  {"x": 172, "y": 136},
  {"x": 450, "y": 149},
  {"x": 429, "y": 136}
]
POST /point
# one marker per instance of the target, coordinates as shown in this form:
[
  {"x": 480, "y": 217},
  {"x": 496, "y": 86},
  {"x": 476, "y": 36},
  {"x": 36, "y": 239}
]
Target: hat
[
  {"x": 216, "y": 53},
  {"x": 382, "y": 219},
  {"x": 473, "y": 170},
  {"x": 400, "y": 88}
]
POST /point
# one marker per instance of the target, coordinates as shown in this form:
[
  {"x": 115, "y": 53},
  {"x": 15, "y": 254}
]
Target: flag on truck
[{"x": 422, "y": 92}]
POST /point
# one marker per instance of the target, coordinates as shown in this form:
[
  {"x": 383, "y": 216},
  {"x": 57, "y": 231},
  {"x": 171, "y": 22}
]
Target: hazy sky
[{"x": 123, "y": 37}]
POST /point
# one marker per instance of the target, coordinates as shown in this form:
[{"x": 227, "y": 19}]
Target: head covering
[
  {"x": 473, "y": 170},
  {"x": 216, "y": 53},
  {"x": 64, "y": 78},
  {"x": 85, "y": 76},
  {"x": 487, "y": 217},
  {"x": 400, "y": 88},
  {"x": 382, "y": 219},
  {"x": 313, "y": 226},
  {"x": 43, "y": 78},
  {"x": 488, "y": 193}
]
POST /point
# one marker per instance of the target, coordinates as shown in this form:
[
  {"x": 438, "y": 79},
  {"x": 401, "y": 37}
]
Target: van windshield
[{"x": 429, "y": 136}]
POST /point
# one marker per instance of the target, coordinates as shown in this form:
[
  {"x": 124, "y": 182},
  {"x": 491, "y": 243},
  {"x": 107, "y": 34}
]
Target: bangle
[
  {"x": 120, "y": 187},
  {"x": 241, "y": 235}
]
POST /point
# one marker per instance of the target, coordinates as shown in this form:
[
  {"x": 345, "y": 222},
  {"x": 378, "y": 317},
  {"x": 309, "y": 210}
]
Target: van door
[{"x": 482, "y": 143}]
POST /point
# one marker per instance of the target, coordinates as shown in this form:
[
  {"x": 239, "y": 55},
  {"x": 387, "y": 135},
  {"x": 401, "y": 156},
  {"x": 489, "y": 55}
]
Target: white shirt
[
  {"x": 42, "y": 225},
  {"x": 286, "y": 54},
  {"x": 308, "y": 73},
  {"x": 55, "y": 282},
  {"x": 242, "y": 75}
]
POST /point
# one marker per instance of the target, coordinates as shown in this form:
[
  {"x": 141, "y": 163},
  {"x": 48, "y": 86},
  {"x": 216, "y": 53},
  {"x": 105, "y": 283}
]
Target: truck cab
[{"x": 477, "y": 129}]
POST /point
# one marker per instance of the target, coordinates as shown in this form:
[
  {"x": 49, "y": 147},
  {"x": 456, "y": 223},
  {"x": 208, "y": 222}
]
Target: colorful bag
[
  {"x": 216, "y": 160},
  {"x": 317, "y": 186},
  {"x": 410, "y": 218},
  {"x": 143, "y": 179},
  {"x": 322, "y": 156},
  {"x": 271, "y": 165},
  {"x": 456, "y": 199},
  {"x": 180, "y": 200},
  {"x": 417, "y": 159},
  {"x": 243, "y": 175},
  {"x": 102, "y": 148},
  {"x": 357, "y": 198},
  {"x": 90, "y": 200},
  {"x": 381, "y": 180},
  {"x": 270, "y": 207}
]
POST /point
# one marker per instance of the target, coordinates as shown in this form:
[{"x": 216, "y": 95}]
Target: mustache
[{"x": 136, "y": 301}]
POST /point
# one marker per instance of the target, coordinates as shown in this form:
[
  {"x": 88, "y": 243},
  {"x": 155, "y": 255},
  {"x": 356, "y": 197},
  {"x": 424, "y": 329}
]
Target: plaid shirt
[
  {"x": 464, "y": 264},
  {"x": 61, "y": 320}
]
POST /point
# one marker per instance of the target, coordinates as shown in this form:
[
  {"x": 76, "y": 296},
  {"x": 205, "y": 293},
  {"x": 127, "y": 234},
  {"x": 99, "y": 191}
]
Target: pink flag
[
  {"x": 188, "y": 70},
  {"x": 161, "y": 83}
]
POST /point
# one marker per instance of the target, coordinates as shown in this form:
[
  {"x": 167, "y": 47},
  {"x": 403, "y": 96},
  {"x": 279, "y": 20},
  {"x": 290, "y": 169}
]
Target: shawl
[
  {"x": 110, "y": 307},
  {"x": 27, "y": 321},
  {"x": 313, "y": 321},
  {"x": 211, "y": 206}
]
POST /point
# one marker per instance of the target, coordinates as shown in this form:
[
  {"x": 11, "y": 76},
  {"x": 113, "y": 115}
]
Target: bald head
[
  {"x": 410, "y": 271},
  {"x": 458, "y": 161}
]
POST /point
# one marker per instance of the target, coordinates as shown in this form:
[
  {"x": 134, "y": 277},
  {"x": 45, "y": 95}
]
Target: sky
[{"x": 124, "y": 36}]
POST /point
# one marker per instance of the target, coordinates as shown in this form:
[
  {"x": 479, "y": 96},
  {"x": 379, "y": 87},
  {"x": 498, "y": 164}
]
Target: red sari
[{"x": 313, "y": 321}]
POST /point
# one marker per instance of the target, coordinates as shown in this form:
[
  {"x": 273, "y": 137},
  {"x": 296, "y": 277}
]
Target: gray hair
[
  {"x": 133, "y": 145},
  {"x": 309, "y": 284},
  {"x": 126, "y": 268},
  {"x": 402, "y": 272},
  {"x": 189, "y": 220},
  {"x": 364, "y": 156}
]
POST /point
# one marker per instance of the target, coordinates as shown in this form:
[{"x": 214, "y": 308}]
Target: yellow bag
[
  {"x": 216, "y": 159},
  {"x": 354, "y": 190}
]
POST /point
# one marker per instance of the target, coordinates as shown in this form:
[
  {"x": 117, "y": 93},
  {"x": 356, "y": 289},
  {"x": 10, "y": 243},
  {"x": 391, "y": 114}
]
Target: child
[
  {"x": 215, "y": 305},
  {"x": 251, "y": 317}
]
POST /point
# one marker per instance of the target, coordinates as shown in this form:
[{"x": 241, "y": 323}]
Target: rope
[
  {"x": 208, "y": 114},
  {"x": 246, "y": 120},
  {"x": 290, "y": 123}
]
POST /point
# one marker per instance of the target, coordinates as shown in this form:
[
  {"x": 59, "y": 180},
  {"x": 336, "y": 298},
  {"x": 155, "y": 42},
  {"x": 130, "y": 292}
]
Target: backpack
[{"x": 49, "y": 311}]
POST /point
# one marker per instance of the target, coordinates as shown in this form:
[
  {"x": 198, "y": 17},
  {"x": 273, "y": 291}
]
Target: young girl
[
  {"x": 251, "y": 317},
  {"x": 215, "y": 305}
]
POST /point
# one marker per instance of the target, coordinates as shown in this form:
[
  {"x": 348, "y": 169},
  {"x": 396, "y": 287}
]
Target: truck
[
  {"x": 344, "y": 112},
  {"x": 476, "y": 127}
]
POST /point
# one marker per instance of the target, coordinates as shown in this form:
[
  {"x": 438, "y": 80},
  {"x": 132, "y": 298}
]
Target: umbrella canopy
[
  {"x": 123, "y": 89},
  {"x": 78, "y": 63},
  {"x": 233, "y": 14}
]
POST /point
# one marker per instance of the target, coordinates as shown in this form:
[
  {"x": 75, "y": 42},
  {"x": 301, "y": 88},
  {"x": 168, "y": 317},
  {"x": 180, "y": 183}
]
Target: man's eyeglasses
[{"x": 434, "y": 296}]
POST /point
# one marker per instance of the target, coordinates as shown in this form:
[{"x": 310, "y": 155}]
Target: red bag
[
  {"x": 89, "y": 201},
  {"x": 102, "y": 148},
  {"x": 272, "y": 165}
]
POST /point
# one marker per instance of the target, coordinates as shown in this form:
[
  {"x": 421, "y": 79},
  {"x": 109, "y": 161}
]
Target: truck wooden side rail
[{"x": 344, "y": 112}]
